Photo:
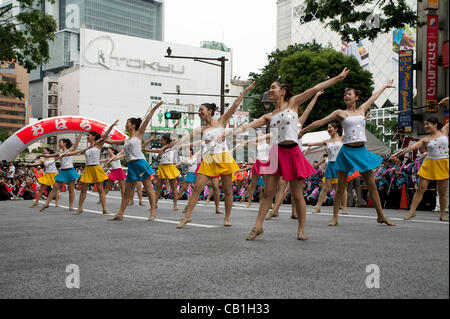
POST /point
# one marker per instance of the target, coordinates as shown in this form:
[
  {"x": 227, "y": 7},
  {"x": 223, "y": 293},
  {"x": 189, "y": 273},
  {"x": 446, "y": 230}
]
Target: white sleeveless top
[
  {"x": 115, "y": 164},
  {"x": 192, "y": 165},
  {"x": 284, "y": 125},
  {"x": 354, "y": 129},
  {"x": 167, "y": 157},
  {"x": 50, "y": 167},
  {"x": 263, "y": 151},
  {"x": 438, "y": 148},
  {"x": 67, "y": 162},
  {"x": 211, "y": 136},
  {"x": 93, "y": 156},
  {"x": 133, "y": 149},
  {"x": 333, "y": 149}
]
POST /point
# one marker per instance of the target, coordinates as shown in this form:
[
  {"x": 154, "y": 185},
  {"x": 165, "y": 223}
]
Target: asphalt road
[{"x": 135, "y": 258}]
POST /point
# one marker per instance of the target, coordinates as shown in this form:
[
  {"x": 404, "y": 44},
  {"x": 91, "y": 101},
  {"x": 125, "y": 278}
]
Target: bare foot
[
  {"x": 255, "y": 233},
  {"x": 248, "y": 205},
  {"x": 301, "y": 235},
  {"x": 152, "y": 217},
  {"x": 386, "y": 221},
  {"x": 44, "y": 208},
  {"x": 207, "y": 202},
  {"x": 270, "y": 215},
  {"x": 294, "y": 216},
  {"x": 183, "y": 222},
  {"x": 316, "y": 210},
  {"x": 218, "y": 211},
  {"x": 410, "y": 216},
  {"x": 333, "y": 222},
  {"x": 344, "y": 212},
  {"x": 116, "y": 218},
  {"x": 105, "y": 212},
  {"x": 141, "y": 203},
  {"x": 99, "y": 202},
  {"x": 227, "y": 223},
  {"x": 131, "y": 203},
  {"x": 443, "y": 218},
  {"x": 71, "y": 209},
  {"x": 33, "y": 205},
  {"x": 79, "y": 212}
]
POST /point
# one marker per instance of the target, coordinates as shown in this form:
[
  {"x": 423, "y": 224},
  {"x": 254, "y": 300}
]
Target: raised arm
[
  {"x": 410, "y": 148},
  {"x": 99, "y": 143},
  {"x": 336, "y": 115},
  {"x": 444, "y": 129},
  {"x": 77, "y": 141},
  {"x": 148, "y": 118},
  {"x": 226, "y": 117},
  {"x": 152, "y": 138},
  {"x": 309, "y": 108},
  {"x": 366, "y": 105},
  {"x": 299, "y": 99},
  {"x": 174, "y": 132},
  {"x": 185, "y": 138}
]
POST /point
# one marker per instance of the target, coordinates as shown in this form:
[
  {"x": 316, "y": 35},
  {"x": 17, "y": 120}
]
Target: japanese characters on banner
[
  {"x": 432, "y": 63},
  {"x": 238, "y": 118},
  {"x": 405, "y": 90}
]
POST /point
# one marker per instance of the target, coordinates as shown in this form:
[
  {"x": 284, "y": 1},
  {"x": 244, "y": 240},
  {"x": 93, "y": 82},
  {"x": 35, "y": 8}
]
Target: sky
[{"x": 246, "y": 26}]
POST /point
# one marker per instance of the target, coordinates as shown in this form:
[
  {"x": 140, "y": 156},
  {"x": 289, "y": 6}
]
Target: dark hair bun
[{"x": 95, "y": 134}]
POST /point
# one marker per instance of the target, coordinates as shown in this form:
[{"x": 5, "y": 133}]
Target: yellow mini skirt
[
  {"x": 434, "y": 169},
  {"x": 218, "y": 164},
  {"x": 48, "y": 179},
  {"x": 333, "y": 181},
  {"x": 167, "y": 171},
  {"x": 93, "y": 174}
]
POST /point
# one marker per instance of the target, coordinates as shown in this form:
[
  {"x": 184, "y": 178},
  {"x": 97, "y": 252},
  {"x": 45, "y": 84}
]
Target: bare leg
[
  {"x": 183, "y": 189},
  {"x": 418, "y": 195},
  {"x": 148, "y": 185},
  {"x": 198, "y": 188},
  {"x": 109, "y": 185},
  {"x": 281, "y": 194},
  {"x": 344, "y": 203},
  {"x": 129, "y": 192},
  {"x": 50, "y": 196},
  {"x": 84, "y": 188},
  {"x": 216, "y": 192},
  {"x": 101, "y": 194},
  {"x": 369, "y": 178},
  {"x": 122, "y": 187},
  {"x": 71, "y": 188},
  {"x": 251, "y": 190},
  {"x": 299, "y": 203},
  {"x": 339, "y": 197},
  {"x": 57, "y": 197},
  {"x": 139, "y": 192},
  {"x": 266, "y": 202},
  {"x": 159, "y": 186},
  {"x": 173, "y": 186},
  {"x": 442, "y": 191},
  {"x": 228, "y": 191},
  {"x": 39, "y": 195},
  {"x": 323, "y": 195}
]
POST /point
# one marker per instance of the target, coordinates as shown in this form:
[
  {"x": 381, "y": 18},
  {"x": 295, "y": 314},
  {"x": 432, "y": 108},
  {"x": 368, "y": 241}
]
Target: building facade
[{"x": 14, "y": 112}]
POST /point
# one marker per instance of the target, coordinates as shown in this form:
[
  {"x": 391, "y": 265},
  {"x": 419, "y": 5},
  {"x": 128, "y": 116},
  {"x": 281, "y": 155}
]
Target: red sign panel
[
  {"x": 445, "y": 54},
  {"x": 432, "y": 63}
]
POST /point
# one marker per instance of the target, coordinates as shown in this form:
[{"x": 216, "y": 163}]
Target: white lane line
[
  {"x": 242, "y": 207},
  {"x": 138, "y": 217}
]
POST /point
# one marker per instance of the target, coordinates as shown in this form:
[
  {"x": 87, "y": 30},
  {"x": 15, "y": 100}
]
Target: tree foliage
[
  {"x": 305, "y": 65},
  {"x": 348, "y": 18},
  {"x": 24, "y": 38}
]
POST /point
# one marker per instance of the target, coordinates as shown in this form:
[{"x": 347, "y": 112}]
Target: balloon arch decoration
[{"x": 32, "y": 133}]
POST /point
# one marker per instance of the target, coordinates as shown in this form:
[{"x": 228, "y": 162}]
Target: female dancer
[
  {"x": 434, "y": 167},
  {"x": 67, "y": 173},
  {"x": 353, "y": 155},
  {"x": 333, "y": 146},
  {"x": 116, "y": 173},
  {"x": 286, "y": 159},
  {"x": 192, "y": 162},
  {"x": 50, "y": 171},
  {"x": 93, "y": 172},
  {"x": 138, "y": 168},
  {"x": 217, "y": 160},
  {"x": 166, "y": 170}
]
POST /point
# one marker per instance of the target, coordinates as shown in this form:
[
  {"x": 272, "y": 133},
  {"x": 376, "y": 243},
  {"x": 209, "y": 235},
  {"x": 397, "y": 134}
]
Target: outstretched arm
[
  {"x": 305, "y": 96},
  {"x": 315, "y": 144},
  {"x": 226, "y": 117},
  {"x": 117, "y": 157},
  {"x": 336, "y": 115},
  {"x": 148, "y": 118},
  {"x": 148, "y": 141},
  {"x": 410, "y": 148},
  {"x": 77, "y": 141},
  {"x": 263, "y": 120},
  {"x": 99, "y": 144},
  {"x": 174, "y": 132},
  {"x": 365, "y": 106},
  {"x": 309, "y": 108}
]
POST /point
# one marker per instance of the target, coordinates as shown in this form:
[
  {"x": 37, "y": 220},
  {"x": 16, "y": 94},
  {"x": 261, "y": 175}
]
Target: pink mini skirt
[
  {"x": 117, "y": 175},
  {"x": 287, "y": 162}
]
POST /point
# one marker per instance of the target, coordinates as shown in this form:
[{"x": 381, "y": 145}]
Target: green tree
[
  {"x": 375, "y": 130},
  {"x": 24, "y": 38},
  {"x": 348, "y": 18},
  {"x": 4, "y": 134},
  {"x": 303, "y": 66}
]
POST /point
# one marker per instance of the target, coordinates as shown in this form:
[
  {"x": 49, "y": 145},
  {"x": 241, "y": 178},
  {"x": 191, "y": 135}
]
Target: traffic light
[{"x": 172, "y": 115}]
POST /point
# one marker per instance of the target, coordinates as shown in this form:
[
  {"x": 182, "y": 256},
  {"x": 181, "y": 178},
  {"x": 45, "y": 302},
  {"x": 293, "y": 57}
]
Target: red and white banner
[
  {"x": 432, "y": 63},
  {"x": 17, "y": 142}
]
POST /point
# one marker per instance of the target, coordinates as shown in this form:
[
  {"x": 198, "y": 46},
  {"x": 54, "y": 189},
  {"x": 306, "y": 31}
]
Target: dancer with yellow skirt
[
  {"x": 434, "y": 167},
  {"x": 166, "y": 170},
  {"x": 217, "y": 160},
  {"x": 49, "y": 162}
]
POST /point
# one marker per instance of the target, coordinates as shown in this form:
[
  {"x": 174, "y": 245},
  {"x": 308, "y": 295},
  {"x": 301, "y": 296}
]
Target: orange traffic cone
[
  {"x": 404, "y": 200},
  {"x": 79, "y": 187},
  {"x": 63, "y": 188},
  {"x": 370, "y": 203},
  {"x": 95, "y": 188}
]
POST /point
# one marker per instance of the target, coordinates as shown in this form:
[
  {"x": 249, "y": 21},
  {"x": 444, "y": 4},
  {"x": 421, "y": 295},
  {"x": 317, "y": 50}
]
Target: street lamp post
[{"x": 222, "y": 61}]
